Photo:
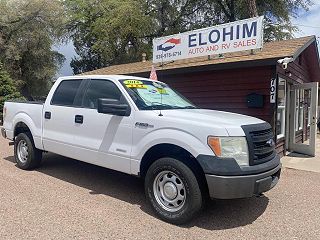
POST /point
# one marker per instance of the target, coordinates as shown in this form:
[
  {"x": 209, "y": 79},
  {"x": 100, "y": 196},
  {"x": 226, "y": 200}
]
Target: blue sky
[
  {"x": 307, "y": 22},
  {"x": 68, "y": 51}
]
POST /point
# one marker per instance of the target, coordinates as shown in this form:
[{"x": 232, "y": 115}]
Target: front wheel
[
  {"x": 27, "y": 156},
  {"x": 173, "y": 191}
]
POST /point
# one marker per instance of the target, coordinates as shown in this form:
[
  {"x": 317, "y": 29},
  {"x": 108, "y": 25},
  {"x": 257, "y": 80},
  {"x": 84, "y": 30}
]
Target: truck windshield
[{"x": 154, "y": 95}]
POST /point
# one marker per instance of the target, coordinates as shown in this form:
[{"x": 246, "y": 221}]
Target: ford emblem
[{"x": 270, "y": 143}]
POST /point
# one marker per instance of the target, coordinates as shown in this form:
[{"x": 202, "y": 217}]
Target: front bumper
[
  {"x": 3, "y": 133},
  {"x": 230, "y": 187}
]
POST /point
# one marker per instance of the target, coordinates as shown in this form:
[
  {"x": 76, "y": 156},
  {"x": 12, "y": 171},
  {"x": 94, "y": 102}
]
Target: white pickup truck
[{"x": 144, "y": 128}]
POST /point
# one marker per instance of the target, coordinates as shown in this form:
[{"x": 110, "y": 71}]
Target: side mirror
[{"x": 113, "y": 106}]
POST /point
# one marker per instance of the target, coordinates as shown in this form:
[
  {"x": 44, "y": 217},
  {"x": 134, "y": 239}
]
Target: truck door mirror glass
[{"x": 113, "y": 106}]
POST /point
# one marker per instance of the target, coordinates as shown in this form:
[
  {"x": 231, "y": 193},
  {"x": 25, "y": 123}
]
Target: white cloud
[{"x": 309, "y": 22}]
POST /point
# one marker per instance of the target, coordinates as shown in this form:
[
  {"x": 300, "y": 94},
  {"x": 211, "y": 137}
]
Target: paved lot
[
  {"x": 66, "y": 199},
  {"x": 304, "y": 162}
]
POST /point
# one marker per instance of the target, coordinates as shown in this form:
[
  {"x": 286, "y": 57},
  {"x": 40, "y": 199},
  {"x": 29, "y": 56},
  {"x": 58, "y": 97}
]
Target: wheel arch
[
  {"x": 174, "y": 151},
  {"x": 22, "y": 122},
  {"x": 21, "y": 127}
]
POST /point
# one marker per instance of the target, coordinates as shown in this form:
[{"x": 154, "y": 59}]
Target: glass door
[{"x": 303, "y": 118}]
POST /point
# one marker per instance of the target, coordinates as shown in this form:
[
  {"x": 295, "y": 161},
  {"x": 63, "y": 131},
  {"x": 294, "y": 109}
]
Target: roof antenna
[{"x": 160, "y": 114}]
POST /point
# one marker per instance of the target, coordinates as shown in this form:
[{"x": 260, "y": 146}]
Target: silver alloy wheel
[
  {"x": 169, "y": 191},
  {"x": 22, "y": 151}
]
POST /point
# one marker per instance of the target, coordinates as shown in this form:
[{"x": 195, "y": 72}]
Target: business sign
[{"x": 231, "y": 37}]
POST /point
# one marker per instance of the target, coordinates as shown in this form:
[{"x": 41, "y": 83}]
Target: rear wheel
[
  {"x": 173, "y": 191},
  {"x": 27, "y": 156}
]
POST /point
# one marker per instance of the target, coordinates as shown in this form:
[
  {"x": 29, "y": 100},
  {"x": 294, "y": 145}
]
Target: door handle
[
  {"x": 47, "y": 115},
  {"x": 78, "y": 119}
]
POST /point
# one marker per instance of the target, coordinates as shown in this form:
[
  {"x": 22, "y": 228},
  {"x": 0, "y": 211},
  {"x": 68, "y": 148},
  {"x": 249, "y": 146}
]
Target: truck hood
[{"x": 232, "y": 122}]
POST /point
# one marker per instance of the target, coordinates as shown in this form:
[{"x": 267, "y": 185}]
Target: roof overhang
[{"x": 213, "y": 67}]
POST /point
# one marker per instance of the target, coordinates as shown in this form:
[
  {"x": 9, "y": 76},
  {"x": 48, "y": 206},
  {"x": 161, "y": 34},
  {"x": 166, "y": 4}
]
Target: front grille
[{"x": 260, "y": 143}]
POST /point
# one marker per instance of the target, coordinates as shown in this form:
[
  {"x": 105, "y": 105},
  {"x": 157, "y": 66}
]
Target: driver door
[{"x": 103, "y": 139}]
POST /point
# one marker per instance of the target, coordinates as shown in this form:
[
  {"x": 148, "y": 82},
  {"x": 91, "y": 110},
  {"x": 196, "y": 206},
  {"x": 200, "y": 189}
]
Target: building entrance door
[{"x": 303, "y": 118}]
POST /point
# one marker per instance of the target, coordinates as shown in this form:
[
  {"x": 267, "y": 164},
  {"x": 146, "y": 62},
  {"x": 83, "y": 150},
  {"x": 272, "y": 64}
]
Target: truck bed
[
  {"x": 29, "y": 112},
  {"x": 26, "y": 102}
]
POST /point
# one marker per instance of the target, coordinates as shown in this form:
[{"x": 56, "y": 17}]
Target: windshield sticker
[
  {"x": 134, "y": 84},
  {"x": 158, "y": 91},
  {"x": 158, "y": 84},
  {"x": 153, "y": 91},
  {"x": 162, "y": 91}
]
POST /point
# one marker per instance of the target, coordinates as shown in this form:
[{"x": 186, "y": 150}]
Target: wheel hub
[
  {"x": 22, "y": 151},
  {"x": 170, "y": 190}
]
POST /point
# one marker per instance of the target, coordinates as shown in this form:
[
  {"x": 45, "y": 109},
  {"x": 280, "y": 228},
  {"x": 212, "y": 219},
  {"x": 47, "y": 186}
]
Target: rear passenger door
[
  {"x": 103, "y": 139},
  {"x": 59, "y": 117}
]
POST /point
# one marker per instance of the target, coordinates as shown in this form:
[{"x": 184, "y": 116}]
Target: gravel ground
[{"x": 67, "y": 199}]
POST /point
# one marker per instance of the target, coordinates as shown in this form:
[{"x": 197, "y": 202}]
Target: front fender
[{"x": 170, "y": 136}]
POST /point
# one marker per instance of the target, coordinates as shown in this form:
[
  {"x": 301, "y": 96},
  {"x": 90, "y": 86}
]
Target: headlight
[{"x": 230, "y": 147}]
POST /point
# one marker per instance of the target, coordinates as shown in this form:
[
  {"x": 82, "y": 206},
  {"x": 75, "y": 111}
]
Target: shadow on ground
[
  {"x": 219, "y": 214},
  {"x": 298, "y": 155}
]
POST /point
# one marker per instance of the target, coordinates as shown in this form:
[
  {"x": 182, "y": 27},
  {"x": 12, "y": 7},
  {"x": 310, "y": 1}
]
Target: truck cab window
[
  {"x": 66, "y": 93},
  {"x": 100, "y": 89}
]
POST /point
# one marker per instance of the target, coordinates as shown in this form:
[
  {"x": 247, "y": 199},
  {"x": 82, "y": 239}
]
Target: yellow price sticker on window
[
  {"x": 162, "y": 91},
  {"x": 132, "y": 82},
  {"x": 136, "y": 86}
]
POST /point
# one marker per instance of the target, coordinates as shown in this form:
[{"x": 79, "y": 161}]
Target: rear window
[{"x": 66, "y": 92}]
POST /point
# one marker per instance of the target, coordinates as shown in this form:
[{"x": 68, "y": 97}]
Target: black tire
[
  {"x": 34, "y": 156},
  {"x": 192, "y": 203}
]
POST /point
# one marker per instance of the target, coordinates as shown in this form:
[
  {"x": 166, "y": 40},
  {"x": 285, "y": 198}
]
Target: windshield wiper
[
  {"x": 188, "y": 107},
  {"x": 158, "y": 107},
  {"x": 166, "y": 106}
]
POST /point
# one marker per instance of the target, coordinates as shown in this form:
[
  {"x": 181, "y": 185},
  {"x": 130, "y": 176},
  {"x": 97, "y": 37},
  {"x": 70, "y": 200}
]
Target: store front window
[
  {"x": 299, "y": 109},
  {"x": 308, "y": 106},
  {"x": 281, "y": 108}
]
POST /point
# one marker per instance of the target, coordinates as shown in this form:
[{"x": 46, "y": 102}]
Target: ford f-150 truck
[{"x": 145, "y": 128}]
